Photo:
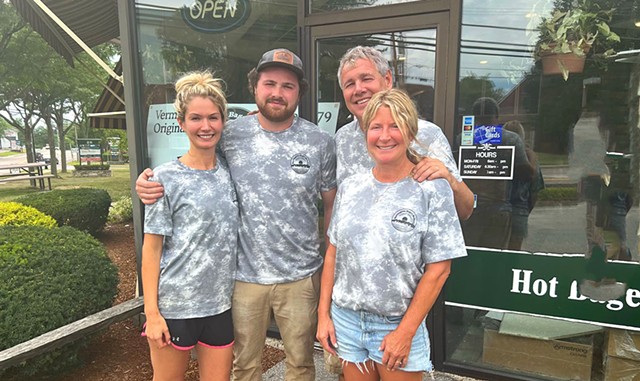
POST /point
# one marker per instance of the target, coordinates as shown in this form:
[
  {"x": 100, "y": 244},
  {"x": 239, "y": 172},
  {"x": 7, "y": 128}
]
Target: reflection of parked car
[
  {"x": 45, "y": 154},
  {"x": 42, "y": 157}
]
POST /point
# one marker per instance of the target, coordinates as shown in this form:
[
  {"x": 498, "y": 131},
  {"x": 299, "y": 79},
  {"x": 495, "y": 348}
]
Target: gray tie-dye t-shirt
[
  {"x": 385, "y": 234},
  {"x": 353, "y": 157},
  {"x": 198, "y": 215},
  {"x": 279, "y": 177}
]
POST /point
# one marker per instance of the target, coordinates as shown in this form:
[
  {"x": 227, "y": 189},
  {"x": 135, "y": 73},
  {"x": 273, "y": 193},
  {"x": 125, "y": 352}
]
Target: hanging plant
[{"x": 567, "y": 37}]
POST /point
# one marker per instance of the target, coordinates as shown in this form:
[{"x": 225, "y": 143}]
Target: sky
[{"x": 489, "y": 25}]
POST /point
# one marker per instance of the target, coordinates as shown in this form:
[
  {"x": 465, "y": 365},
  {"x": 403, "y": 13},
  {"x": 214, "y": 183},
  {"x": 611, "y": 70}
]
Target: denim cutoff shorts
[{"x": 359, "y": 335}]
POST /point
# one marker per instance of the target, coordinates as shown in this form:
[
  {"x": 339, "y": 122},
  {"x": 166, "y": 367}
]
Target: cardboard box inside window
[
  {"x": 622, "y": 356},
  {"x": 564, "y": 360}
]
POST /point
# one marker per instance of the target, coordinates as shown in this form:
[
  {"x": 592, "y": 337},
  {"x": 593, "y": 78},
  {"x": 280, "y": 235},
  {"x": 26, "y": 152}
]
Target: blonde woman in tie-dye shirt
[
  {"x": 189, "y": 250},
  {"x": 392, "y": 241}
]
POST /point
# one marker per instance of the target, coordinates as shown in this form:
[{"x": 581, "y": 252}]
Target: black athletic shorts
[{"x": 212, "y": 331}]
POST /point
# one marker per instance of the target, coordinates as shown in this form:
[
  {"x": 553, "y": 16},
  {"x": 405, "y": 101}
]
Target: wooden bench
[
  {"x": 69, "y": 333},
  {"x": 40, "y": 179}
]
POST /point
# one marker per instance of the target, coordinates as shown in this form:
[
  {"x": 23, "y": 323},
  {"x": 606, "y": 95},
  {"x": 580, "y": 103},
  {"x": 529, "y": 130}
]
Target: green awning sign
[{"x": 550, "y": 285}]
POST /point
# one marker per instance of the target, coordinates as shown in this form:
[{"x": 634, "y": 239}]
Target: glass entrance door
[
  {"x": 415, "y": 48},
  {"x": 422, "y": 50}
]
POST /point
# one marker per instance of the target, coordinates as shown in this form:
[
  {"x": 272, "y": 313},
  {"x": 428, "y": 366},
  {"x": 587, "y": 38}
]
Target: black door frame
[{"x": 446, "y": 16}]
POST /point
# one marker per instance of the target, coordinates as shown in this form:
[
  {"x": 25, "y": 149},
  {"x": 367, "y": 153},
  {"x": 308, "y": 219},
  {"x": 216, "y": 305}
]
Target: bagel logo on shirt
[
  {"x": 404, "y": 220},
  {"x": 300, "y": 163}
]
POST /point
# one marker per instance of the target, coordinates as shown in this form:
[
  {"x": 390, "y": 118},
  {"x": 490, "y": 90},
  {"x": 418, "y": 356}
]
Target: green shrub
[
  {"x": 86, "y": 209},
  {"x": 50, "y": 278},
  {"x": 13, "y": 213},
  {"x": 558, "y": 194},
  {"x": 121, "y": 210},
  {"x": 91, "y": 167}
]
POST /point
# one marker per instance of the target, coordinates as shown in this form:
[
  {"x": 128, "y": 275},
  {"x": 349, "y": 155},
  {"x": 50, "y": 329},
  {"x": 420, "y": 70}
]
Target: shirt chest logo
[
  {"x": 300, "y": 163},
  {"x": 404, "y": 220}
]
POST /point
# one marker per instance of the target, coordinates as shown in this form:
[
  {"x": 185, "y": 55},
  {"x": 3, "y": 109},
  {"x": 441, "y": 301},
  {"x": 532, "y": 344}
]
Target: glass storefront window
[
  {"x": 318, "y": 6},
  {"x": 553, "y": 163},
  {"x": 411, "y": 55},
  {"x": 177, "y": 36}
]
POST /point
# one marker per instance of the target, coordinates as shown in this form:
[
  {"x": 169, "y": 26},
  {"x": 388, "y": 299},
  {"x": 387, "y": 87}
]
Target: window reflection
[
  {"x": 169, "y": 46},
  {"x": 580, "y": 136},
  {"x": 343, "y": 5},
  {"x": 497, "y": 61},
  {"x": 411, "y": 55}
]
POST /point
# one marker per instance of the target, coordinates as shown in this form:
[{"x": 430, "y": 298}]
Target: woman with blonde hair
[
  {"x": 392, "y": 240},
  {"x": 189, "y": 250}
]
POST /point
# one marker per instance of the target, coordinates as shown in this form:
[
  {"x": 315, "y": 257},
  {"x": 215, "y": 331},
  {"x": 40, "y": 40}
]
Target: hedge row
[
  {"x": 50, "y": 278},
  {"x": 558, "y": 194},
  {"x": 91, "y": 167},
  {"x": 85, "y": 209},
  {"x": 121, "y": 210},
  {"x": 13, "y": 213}
]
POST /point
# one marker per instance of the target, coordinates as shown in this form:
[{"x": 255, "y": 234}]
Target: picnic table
[{"x": 33, "y": 172}]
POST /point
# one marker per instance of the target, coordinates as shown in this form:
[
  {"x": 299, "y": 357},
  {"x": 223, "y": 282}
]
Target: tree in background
[
  {"x": 4, "y": 127},
  {"x": 76, "y": 92},
  {"x": 473, "y": 87},
  {"x": 39, "y": 86},
  {"x": 16, "y": 101}
]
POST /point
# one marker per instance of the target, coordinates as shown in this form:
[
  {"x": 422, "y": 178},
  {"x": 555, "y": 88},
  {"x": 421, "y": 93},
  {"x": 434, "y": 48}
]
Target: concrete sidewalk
[{"x": 276, "y": 373}]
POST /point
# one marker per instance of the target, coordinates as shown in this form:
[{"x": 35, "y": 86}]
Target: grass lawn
[
  {"x": 117, "y": 185},
  {"x": 9, "y": 153},
  {"x": 552, "y": 159}
]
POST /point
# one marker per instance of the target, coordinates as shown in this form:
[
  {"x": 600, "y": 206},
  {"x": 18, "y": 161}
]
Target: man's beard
[{"x": 277, "y": 116}]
